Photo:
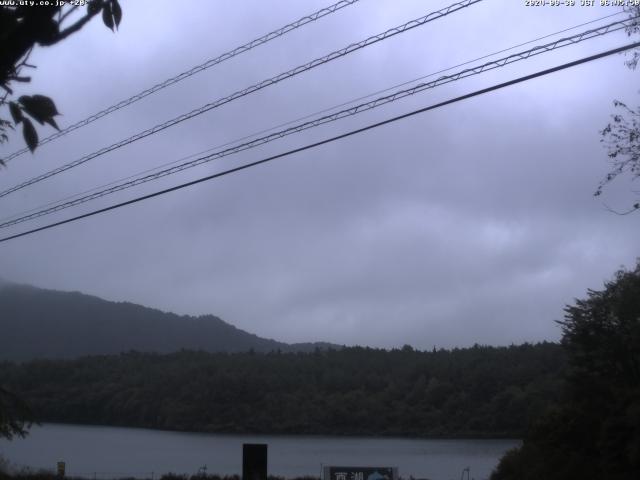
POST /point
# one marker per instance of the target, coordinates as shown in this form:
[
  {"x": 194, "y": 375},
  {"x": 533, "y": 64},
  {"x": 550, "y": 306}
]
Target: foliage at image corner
[
  {"x": 594, "y": 432},
  {"x": 621, "y": 136},
  {"x": 15, "y": 416},
  {"x": 21, "y": 29}
]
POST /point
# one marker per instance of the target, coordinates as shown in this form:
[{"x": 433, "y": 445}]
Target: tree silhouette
[
  {"x": 15, "y": 415},
  {"x": 594, "y": 433}
]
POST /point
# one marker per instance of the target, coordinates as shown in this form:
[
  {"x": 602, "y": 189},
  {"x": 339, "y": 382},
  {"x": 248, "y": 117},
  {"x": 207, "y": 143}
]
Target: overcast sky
[{"x": 472, "y": 223}]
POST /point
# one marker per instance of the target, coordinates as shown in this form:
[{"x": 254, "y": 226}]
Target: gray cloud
[{"x": 472, "y": 223}]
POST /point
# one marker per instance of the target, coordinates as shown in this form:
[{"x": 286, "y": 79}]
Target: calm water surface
[{"x": 107, "y": 452}]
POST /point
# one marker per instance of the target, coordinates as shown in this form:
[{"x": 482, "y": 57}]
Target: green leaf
[
  {"x": 39, "y": 107},
  {"x": 16, "y": 113},
  {"x": 117, "y": 12},
  {"x": 107, "y": 16},
  {"x": 30, "y": 135}
]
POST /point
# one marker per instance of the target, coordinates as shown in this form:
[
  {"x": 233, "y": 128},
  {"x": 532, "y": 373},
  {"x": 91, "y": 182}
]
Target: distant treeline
[{"x": 474, "y": 392}]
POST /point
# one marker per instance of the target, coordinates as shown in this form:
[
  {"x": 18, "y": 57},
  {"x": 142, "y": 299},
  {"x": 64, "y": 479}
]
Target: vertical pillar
[{"x": 254, "y": 461}]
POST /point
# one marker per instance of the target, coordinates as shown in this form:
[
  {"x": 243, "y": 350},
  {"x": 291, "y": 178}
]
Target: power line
[
  {"x": 197, "y": 69},
  {"x": 258, "y": 86},
  {"x": 332, "y": 139},
  {"x": 326, "y": 119},
  {"x": 523, "y": 55},
  {"x": 290, "y": 122}
]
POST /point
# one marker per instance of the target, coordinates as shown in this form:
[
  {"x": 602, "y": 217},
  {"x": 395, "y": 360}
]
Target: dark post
[{"x": 254, "y": 461}]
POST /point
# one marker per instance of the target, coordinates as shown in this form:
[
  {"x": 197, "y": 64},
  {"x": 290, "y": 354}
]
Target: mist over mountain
[{"x": 39, "y": 323}]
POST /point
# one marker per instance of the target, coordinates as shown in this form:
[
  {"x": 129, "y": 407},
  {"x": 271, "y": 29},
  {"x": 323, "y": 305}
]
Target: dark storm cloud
[{"x": 472, "y": 223}]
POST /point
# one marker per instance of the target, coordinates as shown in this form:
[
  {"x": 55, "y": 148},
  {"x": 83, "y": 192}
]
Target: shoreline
[{"x": 286, "y": 434}]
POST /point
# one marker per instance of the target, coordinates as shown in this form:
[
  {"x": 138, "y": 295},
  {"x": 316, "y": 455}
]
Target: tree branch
[
  {"x": 69, "y": 12},
  {"x": 617, "y": 212},
  {"x": 17, "y": 78},
  {"x": 72, "y": 28}
]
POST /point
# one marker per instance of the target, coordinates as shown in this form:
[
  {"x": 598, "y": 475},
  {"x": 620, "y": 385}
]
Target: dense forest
[{"x": 474, "y": 392}]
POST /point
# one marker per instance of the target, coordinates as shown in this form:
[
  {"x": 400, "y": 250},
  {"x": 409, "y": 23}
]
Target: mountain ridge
[{"x": 40, "y": 323}]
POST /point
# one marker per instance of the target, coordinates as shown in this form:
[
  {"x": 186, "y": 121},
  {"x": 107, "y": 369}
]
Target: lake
[{"x": 109, "y": 452}]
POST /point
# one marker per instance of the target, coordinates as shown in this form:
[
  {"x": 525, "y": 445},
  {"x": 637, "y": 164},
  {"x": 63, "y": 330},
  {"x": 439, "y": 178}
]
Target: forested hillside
[
  {"x": 38, "y": 323},
  {"x": 474, "y": 392}
]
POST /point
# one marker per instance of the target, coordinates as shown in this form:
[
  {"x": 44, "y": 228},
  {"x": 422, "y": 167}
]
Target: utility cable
[
  {"x": 586, "y": 35},
  {"x": 332, "y": 139},
  {"x": 311, "y": 115},
  {"x": 258, "y": 86},
  {"x": 197, "y": 69}
]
